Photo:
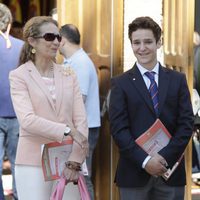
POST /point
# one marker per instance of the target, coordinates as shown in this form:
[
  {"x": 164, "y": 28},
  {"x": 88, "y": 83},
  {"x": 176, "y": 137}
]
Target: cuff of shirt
[{"x": 145, "y": 161}]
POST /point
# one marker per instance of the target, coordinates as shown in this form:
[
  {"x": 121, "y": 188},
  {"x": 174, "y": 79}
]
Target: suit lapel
[
  {"x": 137, "y": 79},
  {"x": 59, "y": 87},
  {"x": 162, "y": 86},
  {"x": 163, "y": 83},
  {"x": 41, "y": 84}
]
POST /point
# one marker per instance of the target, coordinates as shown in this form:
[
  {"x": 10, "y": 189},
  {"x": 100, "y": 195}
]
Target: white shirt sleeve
[{"x": 145, "y": 161}]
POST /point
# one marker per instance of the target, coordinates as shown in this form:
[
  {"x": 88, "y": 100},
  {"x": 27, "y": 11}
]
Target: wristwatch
[{"x": 67, "y": 131}]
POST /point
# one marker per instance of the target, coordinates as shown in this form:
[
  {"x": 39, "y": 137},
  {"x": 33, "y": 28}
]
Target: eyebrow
[{"x": 145, "y": 39}]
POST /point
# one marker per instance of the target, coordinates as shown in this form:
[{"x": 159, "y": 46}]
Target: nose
[
  {"x": 56, "y": 41},
  {"x": 59, "y": 38},
  {"x": 142, "y": 46}
]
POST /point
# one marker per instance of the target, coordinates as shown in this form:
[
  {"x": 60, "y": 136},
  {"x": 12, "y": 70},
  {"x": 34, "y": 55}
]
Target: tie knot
[{"x": 150, "y": 75}]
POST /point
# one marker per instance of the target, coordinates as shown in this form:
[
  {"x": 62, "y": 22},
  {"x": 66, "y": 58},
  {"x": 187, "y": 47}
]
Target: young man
[
  {"x": 133, "y": 109},
  {"x": 85, "y": 70}
]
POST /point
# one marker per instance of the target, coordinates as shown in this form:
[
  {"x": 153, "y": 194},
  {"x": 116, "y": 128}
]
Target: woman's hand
[{"x": 71, "y": 171}]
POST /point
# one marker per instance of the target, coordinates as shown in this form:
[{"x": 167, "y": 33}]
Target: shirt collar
[
  {"x": 69, "y": 60},
  {"x": 143, "y": 70}
]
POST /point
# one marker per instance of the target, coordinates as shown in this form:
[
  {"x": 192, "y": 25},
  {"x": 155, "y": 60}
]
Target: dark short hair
[
  {"x": 17, "y": 24},
  {"x": 71, "y": 33},
  {"x": 144, "y": 23}
]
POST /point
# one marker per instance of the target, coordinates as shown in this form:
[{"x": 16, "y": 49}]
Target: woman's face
[{"x": 46, "y": 44}]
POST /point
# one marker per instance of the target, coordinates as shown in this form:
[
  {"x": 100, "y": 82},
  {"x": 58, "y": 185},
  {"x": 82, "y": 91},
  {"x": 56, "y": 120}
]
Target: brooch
[{"x": 67, "y": 70}]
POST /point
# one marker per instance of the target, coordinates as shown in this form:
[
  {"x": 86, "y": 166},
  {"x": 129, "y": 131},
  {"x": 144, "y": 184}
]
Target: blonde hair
[
  {"x": 32, "y": 29},
  {"x": 5, "y": 17}
]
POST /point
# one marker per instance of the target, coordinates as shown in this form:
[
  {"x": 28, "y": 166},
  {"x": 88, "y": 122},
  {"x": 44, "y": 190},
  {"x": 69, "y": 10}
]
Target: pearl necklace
[{"x": 50, "y": 73}]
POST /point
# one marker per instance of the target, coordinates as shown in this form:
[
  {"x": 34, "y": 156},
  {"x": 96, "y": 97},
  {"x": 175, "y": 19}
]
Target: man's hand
[{"x": 156, "y": 166}]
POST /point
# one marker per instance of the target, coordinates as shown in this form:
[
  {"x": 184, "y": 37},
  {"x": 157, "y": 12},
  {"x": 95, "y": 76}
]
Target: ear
[
  {"x": 31, "y": 41},
  {"x": 159, "y": 43},
  {"x": 63, "y": 41}
]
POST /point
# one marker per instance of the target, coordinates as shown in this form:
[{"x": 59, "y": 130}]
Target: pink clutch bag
[{"x": 59, "y": 189}]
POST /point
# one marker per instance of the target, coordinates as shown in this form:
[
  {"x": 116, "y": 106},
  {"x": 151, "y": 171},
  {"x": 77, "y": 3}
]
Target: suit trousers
[
  {"x": 155, "y": 189},
  {"x": 31, "y": 185}
]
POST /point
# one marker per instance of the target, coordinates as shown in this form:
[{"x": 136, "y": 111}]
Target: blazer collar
[
  {"x": 163, "y": 82},
  {"x": 41, "y": 84}
]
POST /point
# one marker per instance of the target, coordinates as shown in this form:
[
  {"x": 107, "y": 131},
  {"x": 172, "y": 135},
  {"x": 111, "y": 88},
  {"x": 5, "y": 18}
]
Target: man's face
[
  {"x": 63, "y": 46},
  {"x": 145, "y": 47}
]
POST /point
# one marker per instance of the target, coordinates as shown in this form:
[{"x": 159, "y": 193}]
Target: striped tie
[{"x": 153, "y": 90}]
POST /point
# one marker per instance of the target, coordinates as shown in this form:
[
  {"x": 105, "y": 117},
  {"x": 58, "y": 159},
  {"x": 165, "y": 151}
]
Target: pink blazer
[{"x": 41, "y": 121}]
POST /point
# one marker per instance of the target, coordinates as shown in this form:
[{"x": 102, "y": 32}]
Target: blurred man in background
[{"x": 85, "y": 70}]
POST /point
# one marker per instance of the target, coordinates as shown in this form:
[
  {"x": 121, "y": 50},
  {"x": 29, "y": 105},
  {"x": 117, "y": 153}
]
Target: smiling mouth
[{"x": 146, "y": 54}]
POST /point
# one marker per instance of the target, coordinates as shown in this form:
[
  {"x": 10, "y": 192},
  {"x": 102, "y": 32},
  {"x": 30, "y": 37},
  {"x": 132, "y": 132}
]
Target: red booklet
[
  {"x": 154, "y": 139},
  {"x": 54, "y": 156}
]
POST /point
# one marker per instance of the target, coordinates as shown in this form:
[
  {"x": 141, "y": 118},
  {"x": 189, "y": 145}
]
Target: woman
[{"x": 49, "y": 107}]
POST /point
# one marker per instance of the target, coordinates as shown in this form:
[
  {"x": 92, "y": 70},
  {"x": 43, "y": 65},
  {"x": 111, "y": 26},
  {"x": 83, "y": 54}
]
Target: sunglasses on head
[{"x": 51, "y": 37}]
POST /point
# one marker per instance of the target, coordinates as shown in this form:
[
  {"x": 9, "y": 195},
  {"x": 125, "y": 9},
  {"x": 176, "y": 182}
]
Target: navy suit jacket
[{"x": 131, "y": 113}]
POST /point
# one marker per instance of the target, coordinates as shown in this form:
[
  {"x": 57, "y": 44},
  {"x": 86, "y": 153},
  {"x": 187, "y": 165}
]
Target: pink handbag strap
[
  {"x": 60, "y": 187},
  {"x": 83, "y": 188},
  {"x": 59, "y": 190}
]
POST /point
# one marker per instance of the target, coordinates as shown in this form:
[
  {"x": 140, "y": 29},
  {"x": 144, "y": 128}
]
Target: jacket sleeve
[
  {"x": 120, "y": 126},
  {"x": 79, "y": 122},
  {"x": 183, "y": 123}
]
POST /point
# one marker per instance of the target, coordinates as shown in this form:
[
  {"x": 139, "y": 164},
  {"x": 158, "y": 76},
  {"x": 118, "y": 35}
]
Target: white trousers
[{"x": 30, "y": 185}]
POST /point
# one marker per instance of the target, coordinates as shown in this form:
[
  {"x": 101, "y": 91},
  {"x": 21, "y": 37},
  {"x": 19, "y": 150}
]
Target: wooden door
[
  {"x": 178, "y": 52},
  {"x": 101, "y": 27}
]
